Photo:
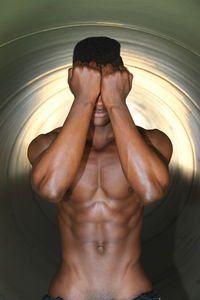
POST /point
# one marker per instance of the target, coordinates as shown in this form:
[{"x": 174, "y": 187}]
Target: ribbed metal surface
[{"x": 35, "y": 98}]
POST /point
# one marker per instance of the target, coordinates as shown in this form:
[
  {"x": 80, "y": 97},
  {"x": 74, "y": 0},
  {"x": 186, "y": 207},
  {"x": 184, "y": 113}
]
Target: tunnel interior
[{"x": 160, "y": 45}]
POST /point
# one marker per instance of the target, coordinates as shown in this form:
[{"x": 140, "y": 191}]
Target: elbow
[
  {"x": 46, "y": 190},
  {"x": 155, "y": 192},
  {"x": 49, "y": 195},
  {"x": 153, "y": 195}
]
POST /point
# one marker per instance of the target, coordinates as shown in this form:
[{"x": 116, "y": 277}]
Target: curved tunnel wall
[{"x": 160, "y": 46}]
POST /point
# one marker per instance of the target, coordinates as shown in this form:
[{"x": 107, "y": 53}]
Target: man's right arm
[{"x": 57, "y": 161}]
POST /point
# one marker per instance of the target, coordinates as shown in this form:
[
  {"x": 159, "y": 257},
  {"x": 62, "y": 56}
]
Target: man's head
[{"x": 102, "y": 50}]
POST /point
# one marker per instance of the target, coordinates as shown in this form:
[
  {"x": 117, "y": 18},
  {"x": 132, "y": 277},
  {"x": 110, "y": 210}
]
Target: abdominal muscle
[{"x": 100, "y": 246}]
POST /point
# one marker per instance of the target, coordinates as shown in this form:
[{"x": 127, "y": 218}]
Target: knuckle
[{"x": 77, "y": 69}]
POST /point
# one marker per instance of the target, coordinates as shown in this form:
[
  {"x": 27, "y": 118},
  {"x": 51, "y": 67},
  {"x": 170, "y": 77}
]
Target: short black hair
[{"x": 101, "y": 49}]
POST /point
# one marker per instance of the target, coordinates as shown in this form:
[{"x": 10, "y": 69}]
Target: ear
[
  {"x": 130, "y": 78},
  {"x": 69, "y": 74}
]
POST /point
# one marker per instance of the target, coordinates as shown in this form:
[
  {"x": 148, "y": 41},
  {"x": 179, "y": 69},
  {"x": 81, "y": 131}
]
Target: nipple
[{"x": 130, "y": 189}]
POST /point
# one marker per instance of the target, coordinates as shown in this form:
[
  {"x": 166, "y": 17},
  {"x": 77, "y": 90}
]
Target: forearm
[
  {"x": 56, "y": 168},
  {"x": 145, "y": 170}
]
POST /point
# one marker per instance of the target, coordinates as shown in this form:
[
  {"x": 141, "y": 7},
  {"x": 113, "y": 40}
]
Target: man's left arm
[{"x": 144, "y": 158}]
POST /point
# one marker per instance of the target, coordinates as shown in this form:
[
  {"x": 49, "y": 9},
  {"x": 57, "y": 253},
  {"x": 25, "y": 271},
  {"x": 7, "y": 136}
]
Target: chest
[{"x": 100, "y": 176}]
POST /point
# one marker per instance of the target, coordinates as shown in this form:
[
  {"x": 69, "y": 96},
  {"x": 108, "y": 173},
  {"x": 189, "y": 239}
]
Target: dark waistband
[
  {"x": 149, "y": 295},
  {"x": 145, "y": 296}
]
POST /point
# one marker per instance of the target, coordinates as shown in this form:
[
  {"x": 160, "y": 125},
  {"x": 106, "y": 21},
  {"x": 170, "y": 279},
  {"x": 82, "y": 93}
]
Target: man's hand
[
  {"x": 116, "y": 84},
  {"x": 84, "y": 80}
]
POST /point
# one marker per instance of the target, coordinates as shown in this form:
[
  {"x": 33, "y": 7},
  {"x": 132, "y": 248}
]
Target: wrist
[
  {"x": 115, "y": 101},
  {"x": 84, "y": 100}
]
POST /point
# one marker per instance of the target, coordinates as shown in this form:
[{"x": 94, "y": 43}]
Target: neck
[{"x": 100, "y": 136}]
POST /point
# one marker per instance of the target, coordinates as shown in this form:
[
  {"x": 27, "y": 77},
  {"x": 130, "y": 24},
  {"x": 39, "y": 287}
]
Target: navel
[{"x": 100, "y": 248}]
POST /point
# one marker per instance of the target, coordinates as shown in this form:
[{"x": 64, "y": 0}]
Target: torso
[{"x": 100, "y": 220}]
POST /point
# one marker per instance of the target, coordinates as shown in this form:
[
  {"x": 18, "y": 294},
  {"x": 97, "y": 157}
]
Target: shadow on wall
[
  {"x": 30, "y": 251},
  {"x": 170, "y": 256}
]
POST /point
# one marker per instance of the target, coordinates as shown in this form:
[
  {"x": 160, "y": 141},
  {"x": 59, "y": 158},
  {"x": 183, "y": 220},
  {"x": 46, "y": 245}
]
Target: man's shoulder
[
  {"x": 41, "y": 143},
  {"x": 153, "y": 134},
  {"x": 44, "y": 138},
  {"x": 159, "y": 140}
]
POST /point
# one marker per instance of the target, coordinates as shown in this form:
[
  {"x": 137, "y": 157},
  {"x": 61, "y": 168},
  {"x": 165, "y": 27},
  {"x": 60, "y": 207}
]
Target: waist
[
  {"x": 118, "y": 281},
  {"x": 88, "y": 258}
]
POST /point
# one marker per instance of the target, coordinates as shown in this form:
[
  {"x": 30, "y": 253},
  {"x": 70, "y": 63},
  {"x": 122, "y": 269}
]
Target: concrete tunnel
[{"x": 160, "y": 45}]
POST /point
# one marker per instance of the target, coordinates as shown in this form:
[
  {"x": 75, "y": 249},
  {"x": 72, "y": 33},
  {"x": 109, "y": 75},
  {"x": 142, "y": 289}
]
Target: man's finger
[
  {"x": 77, "y": 63},
  {"x": 94, "y": 65},
  {"x": 123, "y": 68},
  {"x": 80, "y": 64},
  {"x": 107, "y": 69},
  {"x": 116, "y": 69},
  {"x": 110, "y": 68}
]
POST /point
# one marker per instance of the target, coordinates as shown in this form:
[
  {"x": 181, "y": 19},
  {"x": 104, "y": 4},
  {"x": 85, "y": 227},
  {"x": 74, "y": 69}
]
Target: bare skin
[{"x": 100, "y": 169}]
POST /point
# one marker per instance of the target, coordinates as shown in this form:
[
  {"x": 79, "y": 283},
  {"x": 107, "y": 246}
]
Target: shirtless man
[{"x": 101, "y": 170}]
